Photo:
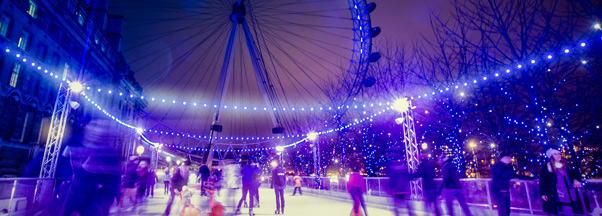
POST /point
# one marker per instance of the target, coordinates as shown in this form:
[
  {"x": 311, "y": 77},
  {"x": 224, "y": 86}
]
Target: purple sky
[{"x": 149, "y": 48}]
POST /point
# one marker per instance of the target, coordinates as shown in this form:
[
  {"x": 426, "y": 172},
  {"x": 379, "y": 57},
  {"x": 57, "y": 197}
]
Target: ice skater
[{"x": 278, "y": 184}]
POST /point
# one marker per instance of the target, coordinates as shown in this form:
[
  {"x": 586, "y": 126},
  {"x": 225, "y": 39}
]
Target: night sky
[{"x": 176, "y": 49}]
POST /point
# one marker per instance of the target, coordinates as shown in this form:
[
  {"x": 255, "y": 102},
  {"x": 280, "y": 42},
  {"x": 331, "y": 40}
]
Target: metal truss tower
[
  {"x": 411, "y": 145},
  {"x": 60, "y": 114}
]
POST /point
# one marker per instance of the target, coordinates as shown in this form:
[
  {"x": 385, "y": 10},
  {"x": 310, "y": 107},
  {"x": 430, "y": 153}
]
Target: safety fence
[
  {"x": 17, "y": 194},
  {"x": 524, "y": 194}
]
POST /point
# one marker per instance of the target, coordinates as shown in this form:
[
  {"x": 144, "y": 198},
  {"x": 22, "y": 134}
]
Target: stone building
[{"x": 74, "y": 38}]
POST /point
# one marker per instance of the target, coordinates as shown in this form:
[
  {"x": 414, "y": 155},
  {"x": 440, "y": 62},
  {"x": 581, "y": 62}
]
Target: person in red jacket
[{"x": 356, "y": 186}]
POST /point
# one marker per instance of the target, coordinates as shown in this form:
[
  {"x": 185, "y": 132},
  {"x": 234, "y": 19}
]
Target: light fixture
[
  {"x": 140, "y": 150},
  {"x": 76, "y": 87},
  {"x": 312, "y": 136}
]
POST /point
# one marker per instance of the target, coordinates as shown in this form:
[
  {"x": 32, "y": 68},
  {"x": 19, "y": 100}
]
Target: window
[
  {"x": 33, "y": 8},
  {"x": 96, "y": 38},
  {"x": 80, "y": 18},
  {"x": 41, "y": 52},
  {"x": 15, "y": 76},
  {"x": 4, "y": 23},
  {"x": 23, "y": 39}
]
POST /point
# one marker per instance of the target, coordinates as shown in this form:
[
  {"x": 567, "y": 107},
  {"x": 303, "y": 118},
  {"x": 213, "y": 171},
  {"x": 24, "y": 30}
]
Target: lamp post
[{"x": 312, "y": 137}]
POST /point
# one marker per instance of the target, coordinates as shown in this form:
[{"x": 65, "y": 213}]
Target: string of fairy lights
[{"x": 459, "y": 86}]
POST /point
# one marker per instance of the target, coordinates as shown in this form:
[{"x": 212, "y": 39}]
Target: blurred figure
[
  {"x": 298, "y": 180},
  {"x": 178, "y": 181},
  {"x": 203, "y": 176},
  {"x": 278, "y": 184},
  {"x": 231, "y": 176},
  {"x": 356, "y": 187},
  {"x": 426, "y": 171},
  {"x": 96, "y": 184},
  {"x": 399, "y": 185},
  {"x": 248, "y": 181},
  {"x": 256, "y": 184},
  {"x": 142, "y": 172},
  {"x": 166, "y": 181},
  {"x": 151, "y": 180},
  {"x": 217, "y": 179},
  {"x": 129, "y": 182},
  {"x": 558, "y": 186},
  {"x": 452, "y": 186}
]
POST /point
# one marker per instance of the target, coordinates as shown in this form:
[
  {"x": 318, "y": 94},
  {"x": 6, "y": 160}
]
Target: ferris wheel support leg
[
  {"x": 411, "y": 146},
  {"x": 60, "y": 114},
  {"x": 265, "y": 85},
  {"x": 222, "y": 87}
]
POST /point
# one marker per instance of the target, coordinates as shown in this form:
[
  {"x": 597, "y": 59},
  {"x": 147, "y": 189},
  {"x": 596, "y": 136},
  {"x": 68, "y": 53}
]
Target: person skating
[
  {"x": 501, "y": 174},
  {"x": 451, "y": 184},
  {"x": 151, "y": 180},
  {"x": 248, "y": 177},
  {"x": 356, "y": 187},
  {"x": 129, "y": 182},
  {"x": 558, "y": 186},
  {"x": 278, "y": 184},
  {"x": 231, "y": 175},
  {"x": 166, "y": 181},
  {"x": 178, "y": 181},
  {"x": 426, "y": 171},
  {"x": 142, "y": 173},
  {"x": 399, "y": 184},
  {"x": 203, "y": 176},
  {"x": 298, "y": 180}
]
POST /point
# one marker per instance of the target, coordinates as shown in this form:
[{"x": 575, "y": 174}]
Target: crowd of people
[{"x": 98, "y": 181}]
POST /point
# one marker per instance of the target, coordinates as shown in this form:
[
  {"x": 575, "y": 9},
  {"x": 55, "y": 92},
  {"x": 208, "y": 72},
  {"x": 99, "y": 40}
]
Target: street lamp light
[
  {"x": 178, "y": 162},
  {"x": 424, "y": 146},
  {"x": 168, "y": 159},
  {"x": 76, "y": 87},
  {"x": 312, "y": 136},
  {"x": 140, "y": 150},
  {"x": 139, "y": 130}
]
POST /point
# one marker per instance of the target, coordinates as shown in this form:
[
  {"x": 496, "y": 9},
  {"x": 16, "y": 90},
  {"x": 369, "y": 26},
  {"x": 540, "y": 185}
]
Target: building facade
[{"x": 77, "y": 39}]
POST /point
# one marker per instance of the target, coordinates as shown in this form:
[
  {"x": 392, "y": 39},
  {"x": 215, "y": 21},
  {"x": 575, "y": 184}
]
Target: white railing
[
  {"x": 17, "y": 194},
  {"x": 524, "y": 194}
]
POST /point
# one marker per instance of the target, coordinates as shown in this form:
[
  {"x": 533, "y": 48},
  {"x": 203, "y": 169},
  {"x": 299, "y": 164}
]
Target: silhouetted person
[
  {"x": 96, "y": 184},
  {"x": 151, "y": 180},
  {"x": 248, "y": 180},
  {"x": 501, "y": 174},
  {"x": 426, "y": 171},
  {"x": 399, "y": 185},
  {"x": 178, "y": 181},
  {"x": 129, "y": 182},
  {"x": 203, "y": 176},
  {"x": 452, "y": 186},
  {"x": 166, "y": 181},
  {"x": 278, "y": 184}
]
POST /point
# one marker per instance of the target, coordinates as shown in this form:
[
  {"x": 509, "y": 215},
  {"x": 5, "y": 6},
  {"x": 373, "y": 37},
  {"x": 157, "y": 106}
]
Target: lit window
[
  {"x": 15, "y": 76},
  {"x": 96, "y": 38},
  {"x": 80, "y": 18},
  {"x": 23, "y": 40},
  {"x": 33, "y": 8},
  {"x": 4, "y": 23}
]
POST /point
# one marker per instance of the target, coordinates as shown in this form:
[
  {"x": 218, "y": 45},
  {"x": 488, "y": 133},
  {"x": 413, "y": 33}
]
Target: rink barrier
[
  {"x": 17, "y": 194},
  {"x": 524, "y": 194}
]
